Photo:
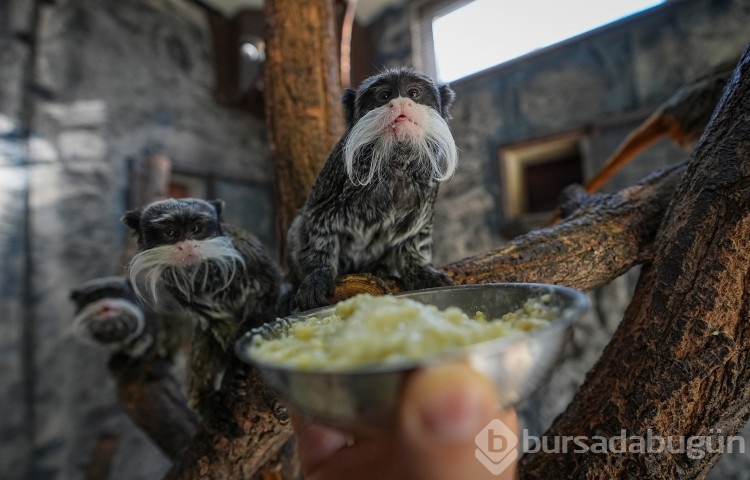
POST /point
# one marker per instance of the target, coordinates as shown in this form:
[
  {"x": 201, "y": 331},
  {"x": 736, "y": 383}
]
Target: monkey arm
[
  {"x": 414, "y": 258},
  {"x": 266, "y": 275},
  {"x": 206, "y": 364},
  {"x": 315, "y": 260}
]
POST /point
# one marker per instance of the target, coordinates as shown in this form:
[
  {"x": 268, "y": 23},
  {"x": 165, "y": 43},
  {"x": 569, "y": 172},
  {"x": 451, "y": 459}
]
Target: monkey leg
[
  {"x": 316, "y": 289},
  {"x": 207, "y": 363},
  {"x": 425, "y": 276}
]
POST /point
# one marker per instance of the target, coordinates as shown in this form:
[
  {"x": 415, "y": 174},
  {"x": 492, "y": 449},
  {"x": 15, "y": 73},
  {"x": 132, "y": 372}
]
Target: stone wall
[{"x": 88, "y": 88}]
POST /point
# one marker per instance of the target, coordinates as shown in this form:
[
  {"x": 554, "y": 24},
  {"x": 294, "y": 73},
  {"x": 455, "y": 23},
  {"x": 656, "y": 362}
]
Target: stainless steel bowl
[{"x": 364, "y": 401}]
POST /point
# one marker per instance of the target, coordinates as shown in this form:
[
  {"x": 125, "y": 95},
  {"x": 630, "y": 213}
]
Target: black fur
[
  {"x": 219, "y": 305},
  {"x": 383, "y": 227}
]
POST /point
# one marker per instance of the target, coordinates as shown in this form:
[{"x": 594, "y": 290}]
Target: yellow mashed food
[{"x": 366, "y": 330}]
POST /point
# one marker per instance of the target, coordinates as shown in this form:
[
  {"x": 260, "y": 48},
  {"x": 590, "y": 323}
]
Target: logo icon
[{"x": 496, "y": 447}]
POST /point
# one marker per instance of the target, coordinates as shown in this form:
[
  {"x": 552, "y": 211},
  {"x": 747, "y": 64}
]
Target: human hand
[{"x": 442, "y": 410}]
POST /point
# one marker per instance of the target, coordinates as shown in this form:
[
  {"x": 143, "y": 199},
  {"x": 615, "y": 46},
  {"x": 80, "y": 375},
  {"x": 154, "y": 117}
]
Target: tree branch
[
  {"x": 602, "y": 237},
  {"x": 677, "y": 365},
  {"x": 152, "y": 398}
]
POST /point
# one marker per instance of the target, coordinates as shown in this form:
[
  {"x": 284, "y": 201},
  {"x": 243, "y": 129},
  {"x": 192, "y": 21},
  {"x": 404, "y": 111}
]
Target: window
[
  {"x": 534, "y": 173},
  {"x": 458, "y": 37}
]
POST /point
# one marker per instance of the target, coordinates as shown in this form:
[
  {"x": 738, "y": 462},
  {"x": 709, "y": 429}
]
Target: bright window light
[{"x": 485, "y": 33}]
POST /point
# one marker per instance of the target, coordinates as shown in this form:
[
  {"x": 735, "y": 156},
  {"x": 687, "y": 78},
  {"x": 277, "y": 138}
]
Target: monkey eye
[
  {"x": 413, "y": 92},
  {"x": 384, "y": 95},
  {"x": 197, "y": 229},
  {"x": 171, "y": 233}
]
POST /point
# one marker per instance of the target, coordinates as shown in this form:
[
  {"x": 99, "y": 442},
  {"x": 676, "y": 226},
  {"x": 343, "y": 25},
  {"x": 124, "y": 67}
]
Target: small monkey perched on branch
[
  {"x": 371, "y": 208},
  {"x": 142, "y": 344},
  {"x": 109, "y": 315},
  {"x": 221, "y": 276}
]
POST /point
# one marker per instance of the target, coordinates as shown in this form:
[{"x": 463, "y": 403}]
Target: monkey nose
[{"x": 104, "y": 311}]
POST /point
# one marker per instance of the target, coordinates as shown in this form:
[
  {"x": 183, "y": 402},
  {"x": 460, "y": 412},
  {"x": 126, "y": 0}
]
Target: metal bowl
[{"x": 364, "y": 401}]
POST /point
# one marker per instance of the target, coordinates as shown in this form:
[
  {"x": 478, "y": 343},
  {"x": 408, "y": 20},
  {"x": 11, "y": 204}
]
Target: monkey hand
[
  {"x": 216, "y": 416},
  {"x": 316, "y": 289},
  {"x": 425, "y": 277}
]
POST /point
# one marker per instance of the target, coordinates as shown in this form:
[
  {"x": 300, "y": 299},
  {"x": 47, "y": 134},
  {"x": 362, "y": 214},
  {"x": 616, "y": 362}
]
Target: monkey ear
[
  {"x": 74, "y": 295},
  {"x": 348, "y": 99},
  {"x": 132, "y": 219},
  {"x": 446, "y": 100},
  {"x": 219, "y": 207}
]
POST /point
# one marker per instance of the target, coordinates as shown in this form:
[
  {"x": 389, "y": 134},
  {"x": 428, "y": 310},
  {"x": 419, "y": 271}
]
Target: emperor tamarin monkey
[
  {"x": 219, "y": 274},
  {"x": 371, "y": 207},
  {"x": 142, "y": 345},
  {"x": 108, "y": 314}
]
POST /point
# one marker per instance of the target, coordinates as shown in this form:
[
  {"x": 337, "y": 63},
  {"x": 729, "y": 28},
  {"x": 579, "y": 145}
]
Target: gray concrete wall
[{"x": 87, "y": 87}]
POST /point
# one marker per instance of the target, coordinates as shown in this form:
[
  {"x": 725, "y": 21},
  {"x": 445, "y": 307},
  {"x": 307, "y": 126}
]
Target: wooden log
[
  {"x": 250, "y": 445},
  {"x": 677, "y": 365},
  {"x": 303, "y": 107}
]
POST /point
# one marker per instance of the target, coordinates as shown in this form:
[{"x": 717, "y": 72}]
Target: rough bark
[
  {"x": 252, "y": 440},
  {"x": 603, "y": 237},
  {"x": 303, "y": 108},
  {"x": 677, "y": 365}
]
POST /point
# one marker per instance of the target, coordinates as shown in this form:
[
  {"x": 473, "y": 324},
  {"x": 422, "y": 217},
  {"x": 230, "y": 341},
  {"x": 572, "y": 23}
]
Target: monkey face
[
  {"x": 172, "y": 221},
  {"x": 182, "y": 248},
  {"x": 390, "y": 85},
  {"x": 107, "y": 313},
  {"x": 109, "y": 322},
  {"x": 398, "y": 120}
]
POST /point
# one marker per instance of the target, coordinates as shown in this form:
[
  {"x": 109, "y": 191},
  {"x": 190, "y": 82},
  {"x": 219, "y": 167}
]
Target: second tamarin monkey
[
  {"x": 371, "y": 207},
  {"x": 220, "y": 275}
]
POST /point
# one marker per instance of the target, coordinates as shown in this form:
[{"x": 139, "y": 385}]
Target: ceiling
[{"x": 367, "y": 10}]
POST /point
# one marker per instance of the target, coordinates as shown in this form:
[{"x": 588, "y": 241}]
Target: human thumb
[{"x": 443, "y": 409}]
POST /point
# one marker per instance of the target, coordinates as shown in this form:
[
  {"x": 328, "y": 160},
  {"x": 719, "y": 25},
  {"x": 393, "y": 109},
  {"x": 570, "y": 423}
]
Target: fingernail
[{"x": 453, "y": 414}]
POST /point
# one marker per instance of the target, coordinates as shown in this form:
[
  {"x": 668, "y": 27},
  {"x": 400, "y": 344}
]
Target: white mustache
[
  {"x": 436, "y": 147},
  {"x": 150, "y": 269},
  {"x": 87, "y": 315}
]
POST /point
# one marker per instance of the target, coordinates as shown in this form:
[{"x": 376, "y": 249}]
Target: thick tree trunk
[
  {"x": 303, "y": 107},
  {"x": 678, "y": 364}
]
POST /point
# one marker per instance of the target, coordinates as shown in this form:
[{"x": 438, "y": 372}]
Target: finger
[
  {"x": 315, "y": 442},
  {"x": 443, "y": 410}
]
